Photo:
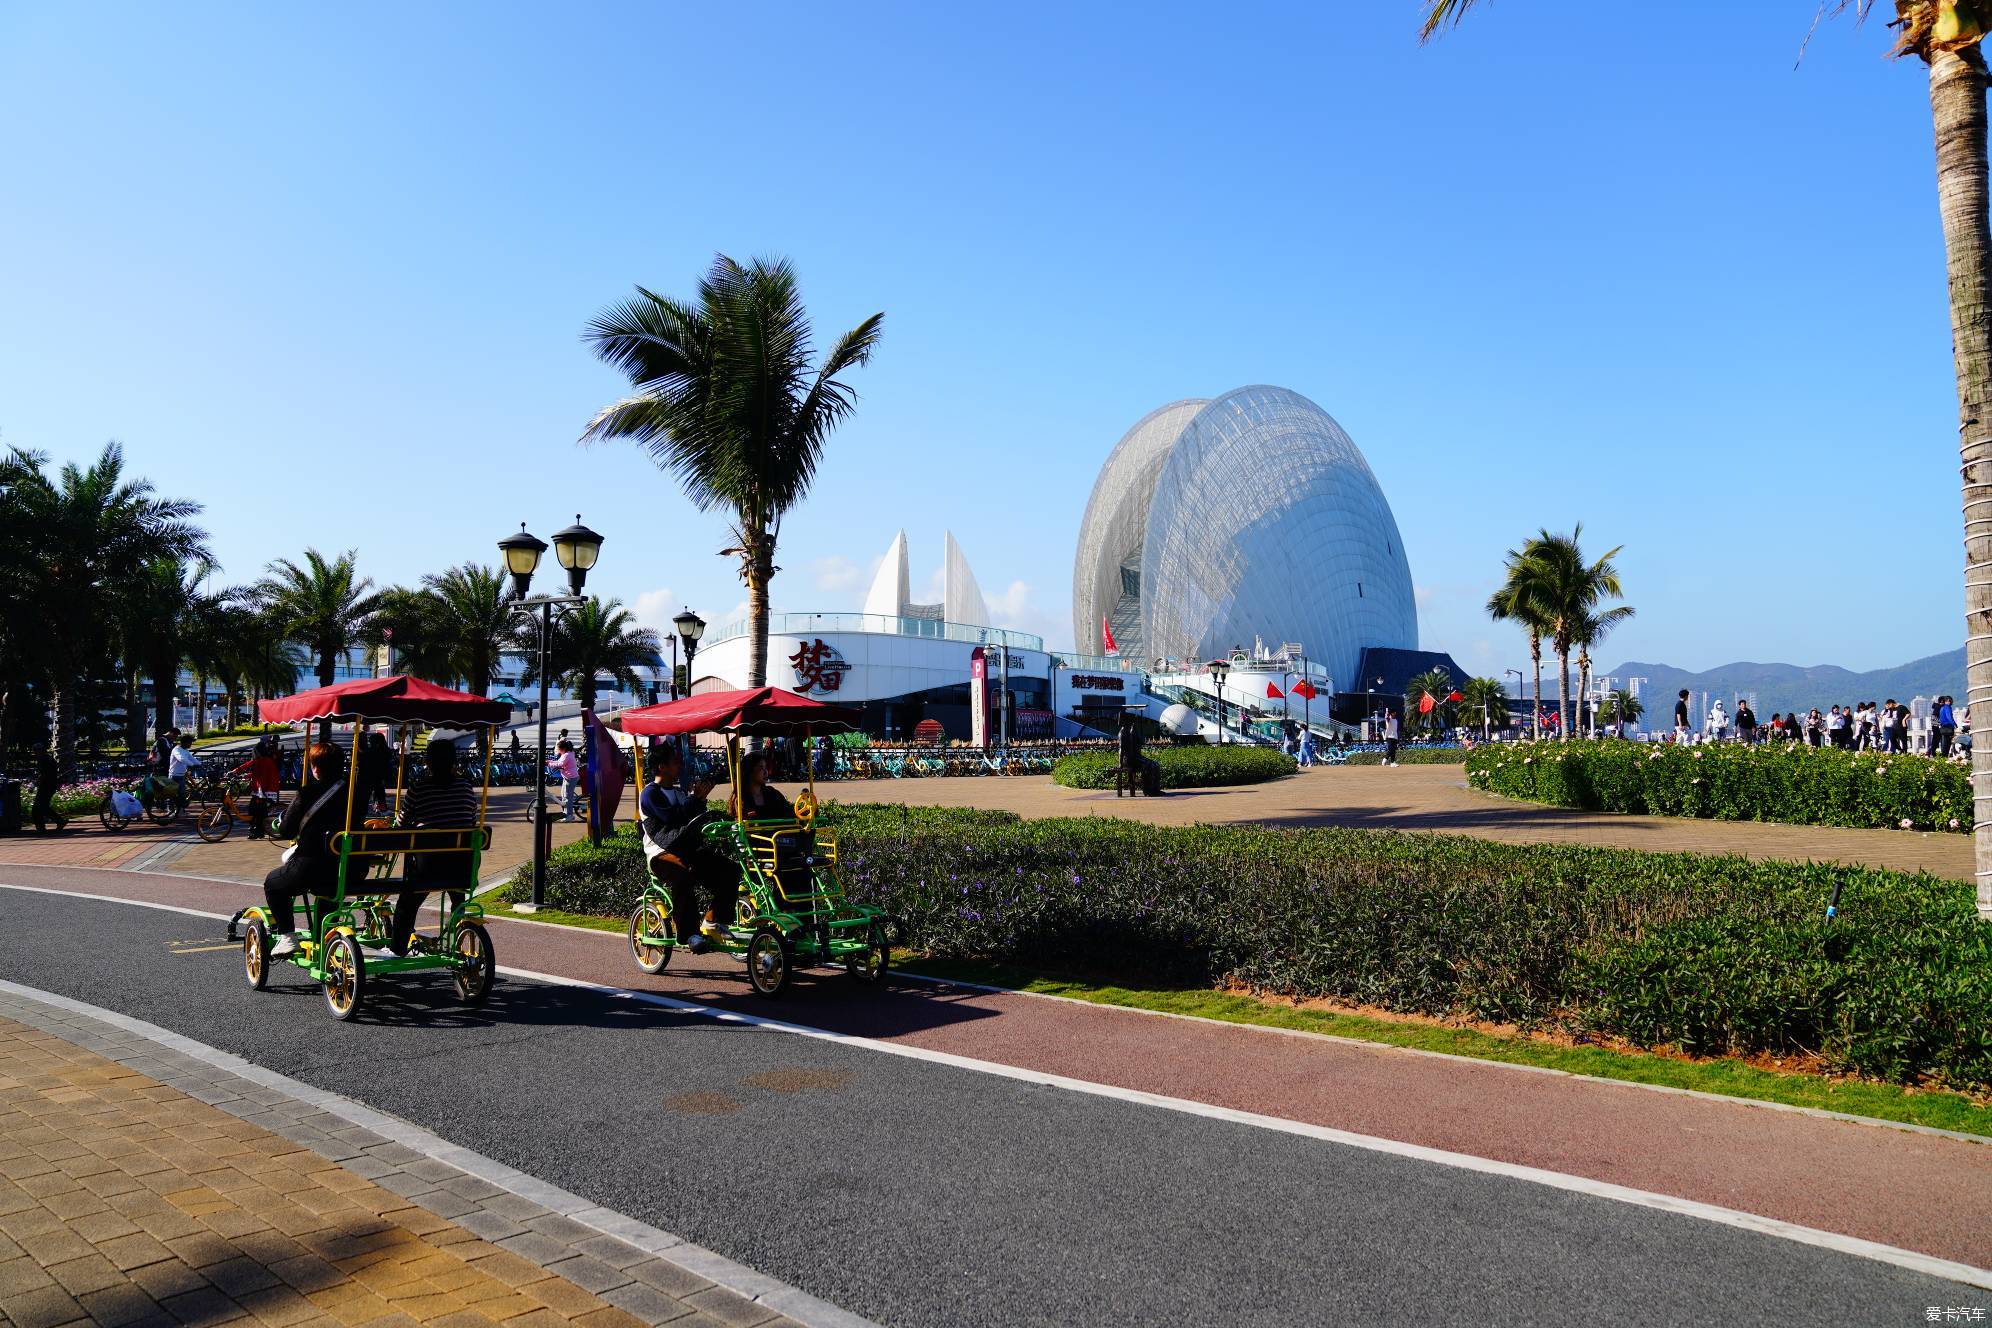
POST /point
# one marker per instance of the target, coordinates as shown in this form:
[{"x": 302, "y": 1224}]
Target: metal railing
[{"x": 799, "y": 624}]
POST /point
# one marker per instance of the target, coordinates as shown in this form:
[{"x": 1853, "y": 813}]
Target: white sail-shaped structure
[
  {"x": 890, "y": 589},
  {"x": 962, "y": 600}
]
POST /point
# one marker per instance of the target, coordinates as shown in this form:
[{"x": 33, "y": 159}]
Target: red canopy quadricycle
[
  {"x": 792, "y": 909},
  {"x": 341, "y": 928}
]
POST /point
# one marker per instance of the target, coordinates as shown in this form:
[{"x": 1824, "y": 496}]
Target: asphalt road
[{"x": 917, "y": 1193}]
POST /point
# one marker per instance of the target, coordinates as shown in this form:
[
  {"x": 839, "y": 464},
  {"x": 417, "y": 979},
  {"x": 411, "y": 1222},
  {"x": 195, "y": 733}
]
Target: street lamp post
[
  {"x": 1218, "y": 668},
  {"x": 577, "y": 548},
  {"x": 690, "y": 628}
]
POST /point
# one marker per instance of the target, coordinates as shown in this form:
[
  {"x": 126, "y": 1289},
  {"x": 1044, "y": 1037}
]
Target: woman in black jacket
[{"x": 314, "y": 817}]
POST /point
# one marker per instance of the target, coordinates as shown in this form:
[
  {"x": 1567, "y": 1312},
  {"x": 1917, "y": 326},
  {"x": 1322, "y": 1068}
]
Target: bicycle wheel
[
  {"x": 161, "y": 808},
  {"x": 212, "y": 820},
  {"x": 110, "y": 816}
]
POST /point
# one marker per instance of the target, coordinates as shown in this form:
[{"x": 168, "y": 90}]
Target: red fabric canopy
[
  {"x": 391, "y": 700},
  {"x": 762, "y": 711}
]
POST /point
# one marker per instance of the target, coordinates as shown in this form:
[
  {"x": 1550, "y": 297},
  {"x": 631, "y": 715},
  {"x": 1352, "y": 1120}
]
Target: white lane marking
[
  {"x": 1666, "y": 1203},
  {"x": 115, "y": 899},
  {"x": 793, "y": 1302},
  {"x": 1770, "y": 1226},
  {"x": 1377, "y": 1048}
]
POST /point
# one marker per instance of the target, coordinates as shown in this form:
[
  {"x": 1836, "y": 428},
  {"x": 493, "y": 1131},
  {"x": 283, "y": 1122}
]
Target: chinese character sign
[{"x": 818, "y": 667}]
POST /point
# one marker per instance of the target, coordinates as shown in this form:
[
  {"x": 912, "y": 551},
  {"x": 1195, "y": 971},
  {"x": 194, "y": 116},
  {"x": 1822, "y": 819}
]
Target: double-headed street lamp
[
  {"x": 577, "y": 548},
  {"x": 1218, "y": 668}
]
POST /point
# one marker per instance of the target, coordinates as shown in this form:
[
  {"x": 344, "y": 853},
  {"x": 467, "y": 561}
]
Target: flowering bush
[
  {"x": 1789, "y": 782},
  {"x": 82, "y": 798},
  {"x": 1715, "y": 955}
]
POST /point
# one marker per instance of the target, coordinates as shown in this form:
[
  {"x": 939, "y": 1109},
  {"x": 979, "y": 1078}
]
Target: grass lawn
[{"x": 1937, "y": 1108}]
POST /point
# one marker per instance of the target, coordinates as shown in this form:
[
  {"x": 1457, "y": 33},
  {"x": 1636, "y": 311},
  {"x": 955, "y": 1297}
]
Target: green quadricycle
[
  {"x": 792, "y": 910},
  {"x": 347, "y": 939}
]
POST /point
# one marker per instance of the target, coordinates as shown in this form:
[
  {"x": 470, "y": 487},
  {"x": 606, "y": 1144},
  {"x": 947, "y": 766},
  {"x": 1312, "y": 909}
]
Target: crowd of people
[{"x": 1865, "y": 726}]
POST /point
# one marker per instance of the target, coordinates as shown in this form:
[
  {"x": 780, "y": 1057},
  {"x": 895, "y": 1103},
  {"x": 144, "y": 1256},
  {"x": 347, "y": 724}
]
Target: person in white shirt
[
  {"x": 1718, "y": 722},
  {"x": 181, "y": 764}
]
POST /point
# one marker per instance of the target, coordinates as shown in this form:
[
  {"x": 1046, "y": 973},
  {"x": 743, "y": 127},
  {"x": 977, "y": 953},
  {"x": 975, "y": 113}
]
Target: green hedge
[
  {"x": 1414, "y": 756},
  {"x": 1789, "y": 782},
  {"x": 1194, "y": 766},
  {"x": 1714, "y": 955}
]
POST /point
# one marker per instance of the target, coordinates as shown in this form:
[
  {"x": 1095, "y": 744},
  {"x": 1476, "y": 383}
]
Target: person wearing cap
[{"x": 440, "y": 801}]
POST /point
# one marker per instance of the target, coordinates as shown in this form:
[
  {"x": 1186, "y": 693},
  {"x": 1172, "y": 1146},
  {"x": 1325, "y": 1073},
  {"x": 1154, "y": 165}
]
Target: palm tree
[
  {"x": 1947, "y": 36},
  {"x": 1439, "y": 685},
  {"x": 323, "y": 605},
  {"x": 1564, "y": 591},
  {"x": 1517, "y": 601},
  {"x": 1488, "y": 698},
  {"x": 598, "y": 637},
  {"x": 1591, "y": 628},
  {"x": 265, "y": 657},
  {"x": 92, "y": 526},
  {"x": 726, "y": 400},
  {"x": 1622, "y": 707},
  {"x": 466, "y": 624},
  {"x": 18, "y": 579}
]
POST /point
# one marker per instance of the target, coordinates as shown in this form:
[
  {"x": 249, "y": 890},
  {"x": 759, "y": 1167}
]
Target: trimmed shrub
[
  {"x": 1413, "y": 756},
  {"x": 1786, "y": 781},
  {"x": 1195, "y": 766},
  {"x": 1715, "y": 955}
]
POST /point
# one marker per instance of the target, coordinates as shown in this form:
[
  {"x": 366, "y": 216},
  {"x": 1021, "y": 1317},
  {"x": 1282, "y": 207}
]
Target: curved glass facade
[{"x": 1249, "y": 517}]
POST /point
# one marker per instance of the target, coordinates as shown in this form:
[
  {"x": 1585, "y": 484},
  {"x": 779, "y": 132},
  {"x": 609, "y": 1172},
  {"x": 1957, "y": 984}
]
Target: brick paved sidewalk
[{"x": 126, "y": 1201}]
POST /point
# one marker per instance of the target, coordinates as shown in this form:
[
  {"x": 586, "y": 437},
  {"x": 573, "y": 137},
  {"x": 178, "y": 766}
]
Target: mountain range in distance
[{"x": 1783, "y": 688}]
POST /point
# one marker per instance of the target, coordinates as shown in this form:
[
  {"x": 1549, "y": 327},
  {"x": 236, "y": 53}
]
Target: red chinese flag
[
  {"x": 1455, "y": 695},
  {"x": 1306, "y": 689},
  {"x": 1273, "y": 691},
  {"x": 1425, "y": 704},
  {"x": 1107, "y": 633}
]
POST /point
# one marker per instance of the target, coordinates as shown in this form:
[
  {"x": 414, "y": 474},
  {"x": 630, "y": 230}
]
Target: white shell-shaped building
[{"x": 1245, "y": 518}]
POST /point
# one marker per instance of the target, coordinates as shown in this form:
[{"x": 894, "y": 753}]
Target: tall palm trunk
[
  {"x": 134, "y": 710},
  {"x": 1957, "y": 105},
  {"x": 200, "y": 705},
  {"x": 63, "y": 699},
  {"x": 164, "y": 696},
  {"x": 1535, "y": 711},
  {"x": 757, "y": 570},
  {"x": 1583, "y": 684},
  {"x": 1563, "y": 690}
]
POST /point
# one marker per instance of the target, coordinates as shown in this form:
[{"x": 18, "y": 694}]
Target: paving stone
[
  {"x": 669, "y": 1278},
  {"x": 488, "y": 1225},
  {"x": 647, "y": 1303},
  {"x": 611, "y": 1251},
  {"x": 730, "y": 1308},
  {"x": 587, "y": 1271},
  {"x": 535, "y": 1247}
]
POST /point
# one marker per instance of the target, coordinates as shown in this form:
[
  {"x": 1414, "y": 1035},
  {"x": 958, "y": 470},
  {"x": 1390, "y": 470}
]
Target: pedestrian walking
[
  {"x": 1307, "y": 747},
  {"x": 1815, "y": 728},
  {"x": 1946, "y": 725},
  {"x": 1390, "y": 735},
  {"x": 48, "y": 778},
  {"x": 1898, "y": 729},
  {"x": 1746, "y": 723},
  {"x": 568, "y": 767},
  {"x": 1681, "y": 717}
]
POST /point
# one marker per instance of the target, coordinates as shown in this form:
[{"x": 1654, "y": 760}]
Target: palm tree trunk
[
  {"x": 1957, "y": 106},
  {"x": 134, "y": 715},
  {"x": 1535, "y": 711},
  {"x": 759, "y": 565},
  {"x": 164, "y": 688},
  {"x": 200, "y": 705},
  {"x": 63, "y": 700},
  {"x": 1583, "y": 685},
  {"x": 1563, "y": 692}
]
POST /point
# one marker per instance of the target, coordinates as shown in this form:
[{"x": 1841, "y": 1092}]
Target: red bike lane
[{"x": 1915, "y": 1190}]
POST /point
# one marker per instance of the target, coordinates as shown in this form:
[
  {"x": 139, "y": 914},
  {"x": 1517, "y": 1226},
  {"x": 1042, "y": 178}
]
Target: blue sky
[{"x": 325, "y": 270}]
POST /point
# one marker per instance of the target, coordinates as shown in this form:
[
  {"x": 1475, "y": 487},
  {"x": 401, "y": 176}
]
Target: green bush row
[
  {"x": 1414, "y": 756},
  {"x": 1714, "y": 955},
  {"x": 1789, "y": 782},
  {"x": 1194, "y": 766}
]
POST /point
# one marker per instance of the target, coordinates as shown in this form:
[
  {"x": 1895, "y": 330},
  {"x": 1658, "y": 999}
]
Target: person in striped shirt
[{"x": 443, "y": 800}]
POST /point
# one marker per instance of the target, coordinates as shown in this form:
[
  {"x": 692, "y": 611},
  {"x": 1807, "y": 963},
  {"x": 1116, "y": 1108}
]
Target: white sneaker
[{"x": 285, "y": 944}]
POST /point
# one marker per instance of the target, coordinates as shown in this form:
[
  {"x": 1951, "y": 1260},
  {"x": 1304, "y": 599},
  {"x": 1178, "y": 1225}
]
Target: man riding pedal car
[{"x": 675, "y": 850}]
